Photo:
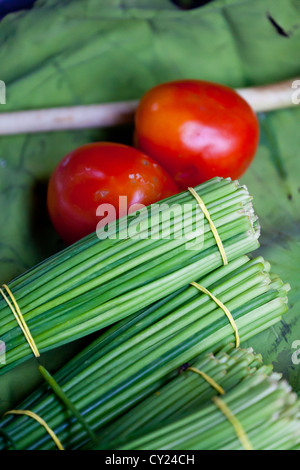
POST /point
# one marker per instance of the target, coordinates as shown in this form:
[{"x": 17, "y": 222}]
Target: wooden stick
[
  {"x": 270, "y": 97},
  {"x": 263, "y": 98}
]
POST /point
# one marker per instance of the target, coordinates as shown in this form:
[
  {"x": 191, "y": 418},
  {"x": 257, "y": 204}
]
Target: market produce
[
  {"x": 197, "y": 130},
  {"x": 95, "y": 283},
  {"x": 260, "y": 413},
  {"x": 136, "y": 356},
  {"x": 82, "y": 70},
  {"x": 188, "y": 391},
  {"x": 102, "y": 173}
]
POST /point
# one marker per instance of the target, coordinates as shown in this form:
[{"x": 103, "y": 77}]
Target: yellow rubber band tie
[
  {"x": 211, "y": 224},
  {"x": 223, "y": 307},
  {"x": 208, "y": 379},
  {"x": 13, "y": 305},
  {"x": 242, "y": 436},
  {"x": 39, "y": 420}
]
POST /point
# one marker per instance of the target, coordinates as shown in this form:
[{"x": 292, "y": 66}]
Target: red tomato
[
  {"x": 99, "y": 173},
  {"x": 197, "y": 130}
]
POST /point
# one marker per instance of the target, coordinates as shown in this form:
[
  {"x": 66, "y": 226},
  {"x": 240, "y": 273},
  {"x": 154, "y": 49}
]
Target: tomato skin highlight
[
  {"x": 99, "y": 173},
  {"x": 197, "y": 130}
]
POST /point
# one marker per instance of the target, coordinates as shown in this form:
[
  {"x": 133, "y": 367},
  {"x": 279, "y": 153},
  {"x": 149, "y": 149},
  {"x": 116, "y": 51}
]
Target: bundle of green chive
[
  {"x": 268, "y": 414},
  {"x": 140, "y": 287},
  {"x": 95, "y": 283},
  {"x": 186, "y": 392},
  {"x": 135, "y": 357}
]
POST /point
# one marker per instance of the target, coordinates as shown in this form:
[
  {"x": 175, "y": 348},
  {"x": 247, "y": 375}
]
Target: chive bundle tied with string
[
  {"x": 152, "y": 342},
  {"x": 259, "y": 413},
  {"x": 96, "y": 283}
]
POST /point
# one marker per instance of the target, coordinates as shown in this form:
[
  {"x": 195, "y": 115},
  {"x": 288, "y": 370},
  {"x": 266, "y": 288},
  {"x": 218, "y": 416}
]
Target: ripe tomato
[
  {"x": 99, "y": 173},
  {"x": 197, "y": 130}
]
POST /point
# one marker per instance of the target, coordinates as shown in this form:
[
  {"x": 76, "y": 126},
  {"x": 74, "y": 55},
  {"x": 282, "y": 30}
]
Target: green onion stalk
[
  {"x": 136, "y": 356},
  {"x": 267, "y": 411},
  {"x": 145, "y": 257}
]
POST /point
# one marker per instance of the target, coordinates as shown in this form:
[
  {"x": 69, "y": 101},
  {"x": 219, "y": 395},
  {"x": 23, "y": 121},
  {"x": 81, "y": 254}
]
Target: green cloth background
[{"x": 94, "y": 51}]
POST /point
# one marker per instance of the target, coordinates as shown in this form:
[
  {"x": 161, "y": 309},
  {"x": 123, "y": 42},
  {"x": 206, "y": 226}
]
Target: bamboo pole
[{"x": 262, "y": 98}]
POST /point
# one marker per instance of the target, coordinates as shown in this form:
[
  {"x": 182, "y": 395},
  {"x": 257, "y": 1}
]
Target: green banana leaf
[{"x": 94, "y": 51}]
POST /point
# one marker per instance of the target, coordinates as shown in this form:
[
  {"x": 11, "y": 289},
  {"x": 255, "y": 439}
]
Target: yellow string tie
[
  {"x": 12, "y": 303},
  {"x": 208, "y": 379},
  {"x": 240, "y": 432},
  {"x": 211, "y": 224},
  {"x": 223, "y": 307},
  {"x": 39, "y": 420}
]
